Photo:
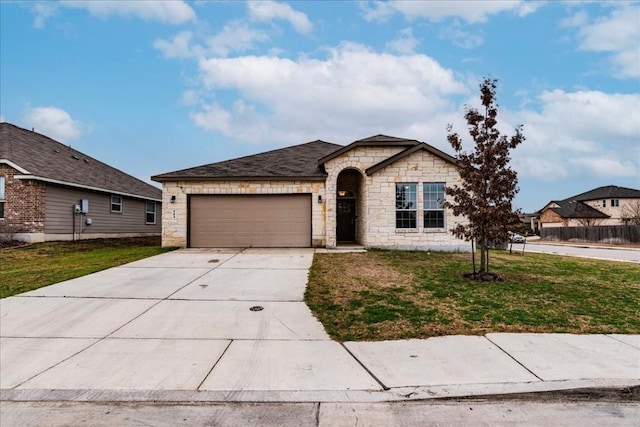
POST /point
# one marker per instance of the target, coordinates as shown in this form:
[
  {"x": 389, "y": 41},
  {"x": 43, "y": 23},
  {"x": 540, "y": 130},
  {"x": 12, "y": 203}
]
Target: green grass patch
[
  {"x": 31, "y": 267},
  {"x": 382, "y": 295}
]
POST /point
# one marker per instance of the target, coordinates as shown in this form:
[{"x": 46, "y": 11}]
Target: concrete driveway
[
  {"x": 185, "y": 320},
  {"x": 226, "y": 325}
]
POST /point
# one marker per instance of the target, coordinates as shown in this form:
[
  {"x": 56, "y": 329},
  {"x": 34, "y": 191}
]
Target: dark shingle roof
[
  {"x": 607, "y": 192},
  {"x": 47, "y": 159},
  {"x": 296, "y": 162},
  {"x": 577, "y": 209}
]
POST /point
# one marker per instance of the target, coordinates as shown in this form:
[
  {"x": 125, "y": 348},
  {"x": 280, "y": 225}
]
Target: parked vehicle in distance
[{"x": 516, "y": 238}]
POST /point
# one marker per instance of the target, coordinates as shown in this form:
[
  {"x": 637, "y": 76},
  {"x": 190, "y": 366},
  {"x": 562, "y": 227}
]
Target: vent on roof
[
  {"x": 86, "y": 161},
  {"x": 75, "y": 157},
  {"x": 56, "y": 151}
]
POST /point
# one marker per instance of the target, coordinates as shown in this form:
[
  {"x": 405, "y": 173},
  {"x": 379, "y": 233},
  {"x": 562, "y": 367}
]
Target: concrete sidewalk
[{"x": 231, "y": 326}]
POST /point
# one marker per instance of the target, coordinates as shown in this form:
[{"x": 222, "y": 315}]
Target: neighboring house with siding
[
  {"x": 49, "y": 191},
  {"x": 607, "y": 205},
  {"x": 382, "y": 192}
]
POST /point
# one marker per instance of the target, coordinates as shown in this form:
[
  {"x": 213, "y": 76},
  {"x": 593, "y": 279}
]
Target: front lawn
[
  {"x": 31, "y": 267},
  {"x": 382, "y": 295}
]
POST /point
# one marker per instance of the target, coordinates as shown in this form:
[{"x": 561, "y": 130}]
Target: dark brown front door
[{"x": 346, "y": 220}]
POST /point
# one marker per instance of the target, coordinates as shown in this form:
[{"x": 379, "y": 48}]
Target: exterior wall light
[
  {"x": 173, "y": 198},
  {"x": 319, "y": 198}
]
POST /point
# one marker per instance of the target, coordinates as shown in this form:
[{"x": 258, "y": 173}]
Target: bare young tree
[
  {"x": 488, "y": 185},
  {"x": 631, "y": 213},
  {"x": 589, "y": 222}
]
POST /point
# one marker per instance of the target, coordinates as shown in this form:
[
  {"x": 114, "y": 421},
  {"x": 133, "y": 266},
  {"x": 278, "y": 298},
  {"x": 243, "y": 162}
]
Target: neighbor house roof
[
  {"x": 38, "y": 157},
  {"x": 576, "y": 209},
  {"x": 296, "y": 162},
  {"x": 608, "y": 192}
]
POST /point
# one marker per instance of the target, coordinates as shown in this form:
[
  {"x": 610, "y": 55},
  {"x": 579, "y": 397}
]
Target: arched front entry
[{"x": 347, "y": 196}]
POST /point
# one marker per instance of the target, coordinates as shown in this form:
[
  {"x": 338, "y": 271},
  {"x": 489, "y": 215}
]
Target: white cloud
[
  {"x": 232, "y": 123},
  {"x": 617, "y": 34},
  {"x": 405, "y": 43},
  {"x": 580, "y": 133},
  {"x": 470, "y": 11},
  {"x": 55, "y": 123},
  {"x": 166, "y": 11},
  {"x": 269, "y": 10},
  {"x": 190, "y": 97},
  {"x": 353, "y": 92},
  {"x": 179, "y": 46},
  {"x": 376, "y": 11},
  {"x": 235, "y": 36},
  {"x": 607, "y": 166},
  {"x": 43, "y": 10},
  {"x": 460, "y": 37}
]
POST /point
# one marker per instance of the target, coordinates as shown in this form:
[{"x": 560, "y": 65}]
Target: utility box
[{"x": 84, "y": 206}]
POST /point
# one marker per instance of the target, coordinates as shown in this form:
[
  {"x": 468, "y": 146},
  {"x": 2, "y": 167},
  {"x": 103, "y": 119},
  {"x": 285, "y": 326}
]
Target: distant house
[
  {"x": 380, "y": 191},
  {"x": 609, "y": 205},
  {"x": 49, "y": 191}
]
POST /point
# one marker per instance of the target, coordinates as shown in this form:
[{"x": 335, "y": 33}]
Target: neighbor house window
[
  {"x": 116, "y": 204},
  {"x": 433, "y": 197},
  {"x": 151, "y": 213},
  {"x": 2, "y": 199},
  {"x": 615, "y": 203},
  {"x": 406, "y": 205}
]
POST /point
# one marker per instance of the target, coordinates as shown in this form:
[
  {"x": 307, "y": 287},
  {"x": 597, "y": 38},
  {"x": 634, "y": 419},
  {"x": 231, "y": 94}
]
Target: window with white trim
[
  {"x": 406, "y": 205},
  {"x": 116, "y": 204},
  {"x": 433, "y": 210},
  {"x": 150, "y": 212},
  {"x": 615, "y": 203},
  {"x": 2, "y": 198}
]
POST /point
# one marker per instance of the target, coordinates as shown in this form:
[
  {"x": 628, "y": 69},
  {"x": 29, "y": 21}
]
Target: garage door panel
[{"x": 250, "y": 221}]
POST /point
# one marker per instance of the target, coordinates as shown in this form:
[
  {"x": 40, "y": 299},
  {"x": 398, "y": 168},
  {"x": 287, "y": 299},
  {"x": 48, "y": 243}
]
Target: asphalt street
[{"x": 582, "y": 251}]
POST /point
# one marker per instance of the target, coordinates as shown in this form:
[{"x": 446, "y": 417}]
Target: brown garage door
[{"x": 223, "y": 221}]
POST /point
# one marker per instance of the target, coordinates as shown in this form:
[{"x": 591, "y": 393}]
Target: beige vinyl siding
[{"x": 59, "y": 202}]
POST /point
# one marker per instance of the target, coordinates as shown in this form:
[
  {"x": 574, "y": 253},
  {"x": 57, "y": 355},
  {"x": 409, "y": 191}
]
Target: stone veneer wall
[
  {"x": 24, "y": 208},
  {"x": 174, "y": 215},
  {"x": 377, "y": 208}
]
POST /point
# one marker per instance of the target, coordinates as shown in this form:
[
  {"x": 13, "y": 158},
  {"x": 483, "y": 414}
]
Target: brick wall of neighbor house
[
  {"x": 174, "y": 215},
  {"x": 24, "y": 209},
  {"x": 550, "y": 218},
  {"x": 378, "y": 215}
]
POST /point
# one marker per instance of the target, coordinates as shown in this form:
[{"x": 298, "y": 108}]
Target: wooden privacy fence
[{"x": 600, "y": 234}]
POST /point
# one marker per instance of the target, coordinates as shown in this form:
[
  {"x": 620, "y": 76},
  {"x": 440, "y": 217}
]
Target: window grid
[
  {"x": 150, "y": 212},
  {"x": 615, "y": 203},
  {"x": 433, "y": 199},
  {"x": 406, "y": 205},
  {"x": 116, "y": 204}
]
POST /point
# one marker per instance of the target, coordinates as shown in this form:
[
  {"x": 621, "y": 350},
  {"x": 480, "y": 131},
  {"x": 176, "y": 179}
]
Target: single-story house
[
  {"x": 608, "y": 205},
  {"x": 49, "y": 191},
  {"x": 382, "y": 192}
]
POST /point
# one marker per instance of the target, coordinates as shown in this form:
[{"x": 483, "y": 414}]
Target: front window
[
  {"x": 116, "y": 204},
  {"x": 604, "y": 203},
  {"x": 433, "y": 198},
  {"x": 615, "y": 203},
  {"x": 2, "y": 199},
  {"x": 406, "y": 205},
  {"x": 151, "y": 213}
]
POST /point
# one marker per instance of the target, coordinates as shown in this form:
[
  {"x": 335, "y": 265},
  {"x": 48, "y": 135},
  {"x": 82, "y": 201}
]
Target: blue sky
[{"x": 156, "y": 86}]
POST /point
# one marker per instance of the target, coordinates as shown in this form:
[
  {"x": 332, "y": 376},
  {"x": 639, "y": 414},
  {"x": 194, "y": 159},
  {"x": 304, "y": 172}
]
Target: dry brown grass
[{"x": 392, "y": 295}]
